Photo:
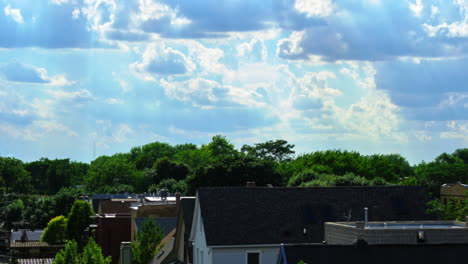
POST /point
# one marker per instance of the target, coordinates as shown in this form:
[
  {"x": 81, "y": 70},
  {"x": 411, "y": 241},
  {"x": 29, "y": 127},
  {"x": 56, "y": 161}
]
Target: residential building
[
  {"x": 247, "y": 225},
  {"x": 456, "y": 191}
]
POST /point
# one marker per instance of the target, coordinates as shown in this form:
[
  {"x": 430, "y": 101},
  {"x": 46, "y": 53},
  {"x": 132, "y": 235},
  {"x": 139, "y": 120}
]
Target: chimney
[
  {"x": 177, "y": 197},
  {"x": 250, "y": 184},
  {"x": 125, "y": 253}
]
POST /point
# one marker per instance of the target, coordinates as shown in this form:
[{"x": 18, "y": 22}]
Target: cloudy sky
[{"x": 83, "y": 78}]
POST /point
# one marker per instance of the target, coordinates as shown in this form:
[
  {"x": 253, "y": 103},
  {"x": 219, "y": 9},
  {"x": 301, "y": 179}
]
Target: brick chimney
[{"x": 250, "y": 184}]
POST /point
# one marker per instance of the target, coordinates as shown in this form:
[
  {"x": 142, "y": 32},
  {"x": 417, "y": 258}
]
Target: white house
[
  {"x": 218, "y": 253},
  {"x": 247, "y": 225}
]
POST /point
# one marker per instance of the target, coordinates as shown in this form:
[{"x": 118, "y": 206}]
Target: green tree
[
  {"x": 14, "y": 177},
  {"x": 39, "y": 211},
  {"x": 220, "y": 147},
  {"x": 68, "y": 255},
  {"x": 56, "y": 230},
  {"x": 147, "y": 240},
  {"x": 15, "y": 212},
  {"x": 276, "y": 150},
  {"x": 92, "y": 254},
  {"x": 79, "y": 219},
  {"x": 167, "y": 169},
  {"x": 111, "y": 170},
  {"x": 145, "y": 156}
]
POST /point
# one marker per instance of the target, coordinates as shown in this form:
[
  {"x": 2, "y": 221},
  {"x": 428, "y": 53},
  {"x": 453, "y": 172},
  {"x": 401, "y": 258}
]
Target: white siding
[
  {"x": 269, "y": 255},
  {"x": 201, "y": 253}
]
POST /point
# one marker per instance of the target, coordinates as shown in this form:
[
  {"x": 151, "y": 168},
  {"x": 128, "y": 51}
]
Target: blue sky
[{"x": 83, "y": 78}]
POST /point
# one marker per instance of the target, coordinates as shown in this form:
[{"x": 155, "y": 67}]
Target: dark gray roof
[
  {"x": 246, "y": 216},
  {"x": 188, "y": 205},
  {"x": 371, "y": 254},
  {"x": 166, "y": 223},
  {"x": 32, "y": 235}
]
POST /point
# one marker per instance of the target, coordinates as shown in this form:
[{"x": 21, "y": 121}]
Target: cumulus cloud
[
  {"x": 20, "y": 72},
  {"x": 205, "y": 93},
  {"x": 311, "y": 8},
  {"x": 80, "y": 96},
  {"x": 162, "y": 60},
  {"x": 457, "y": 129},
  {"x": 356, "y": 32}
]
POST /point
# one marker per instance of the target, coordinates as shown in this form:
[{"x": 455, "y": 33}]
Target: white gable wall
[{"x": 201, "y": 253}]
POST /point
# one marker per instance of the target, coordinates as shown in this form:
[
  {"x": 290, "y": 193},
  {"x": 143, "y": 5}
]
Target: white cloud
[
  {"x": 76, "y": 96},
  {"x": 416, "y": 7},
  {"x": 422, "y": 136},
  {"x": 253, "y": 49},
  {"x": 109, "y": 134},
  {"x": 114, "y": 101},
  {"x": 291, "y": 47},
  {"x": 458, "y": 129},
  {"x": 318, "y": 8},
  {"x": 434, "y": 11},
  {"x": 61, "y": 2},
  {"x": 76, "y": 13},
  {"x": 25, "y": 73},
  {"x": 37, "y": 130},
  {"x": 14, "y": 13},
  {"x": 161, "y": 60}
]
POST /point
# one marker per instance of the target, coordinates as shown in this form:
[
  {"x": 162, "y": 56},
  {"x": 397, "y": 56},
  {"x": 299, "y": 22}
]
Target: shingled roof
[{"x": 247, "y": 216}]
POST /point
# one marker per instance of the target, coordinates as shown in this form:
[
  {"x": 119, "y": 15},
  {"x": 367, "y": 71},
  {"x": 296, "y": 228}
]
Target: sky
[{"x": 85, "y": 78}]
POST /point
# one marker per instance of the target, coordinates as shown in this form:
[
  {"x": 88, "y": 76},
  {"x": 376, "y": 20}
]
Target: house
[
  {"x": 179, "y": 250},
  {"x": 371, "y": 254},
  {"x": 161, "y": 209},
  {"x": 457, "y": 191},
  {"x": 247, "y": 225}
]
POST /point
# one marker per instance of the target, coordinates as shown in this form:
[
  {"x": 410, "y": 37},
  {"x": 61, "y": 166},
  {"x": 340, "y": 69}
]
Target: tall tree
[
  {"x": 78, "y": 220},
  {"x": 277, "y": 150}
]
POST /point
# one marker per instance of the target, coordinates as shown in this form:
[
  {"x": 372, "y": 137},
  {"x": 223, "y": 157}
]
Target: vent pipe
[{"x": 365, "y": 216}]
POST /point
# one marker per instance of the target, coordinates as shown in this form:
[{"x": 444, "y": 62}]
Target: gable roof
[
  {"x": 248, "y": 216},
  {"x": 187, "y": 206}
]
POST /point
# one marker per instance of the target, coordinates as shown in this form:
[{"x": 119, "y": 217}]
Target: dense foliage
[
  {"x": 147, "y": 240},
  {"x": 91, "y": 254},
  {"x": 79, "y": 219},
  {"x": 56, "y": 230},
  {"x": 49, "y": 185}
]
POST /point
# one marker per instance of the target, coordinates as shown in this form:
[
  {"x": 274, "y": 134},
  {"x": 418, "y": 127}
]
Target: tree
[
  {"x": 92, "y": 254},
  {"x": 68, "y": 255},
  {"x": 147, "y": 240},
  {"x": 220, "y": 147},
  {"x": 111, "y": 170},
  {"x": 167, "y": 169},
  {"x": 278, "y": 150},
  {"x": 15, "y": 212},
  {"x": 39, "y": 211},
  {"x": 14, "y": 177},
  {"x": 56, "y": 230},
  {"x": 78, "y": 220}
]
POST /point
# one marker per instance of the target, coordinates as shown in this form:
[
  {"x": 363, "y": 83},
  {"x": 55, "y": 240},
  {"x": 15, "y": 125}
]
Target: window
[{"x": 253, "y": 257}]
